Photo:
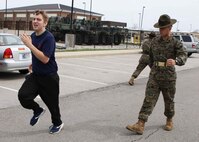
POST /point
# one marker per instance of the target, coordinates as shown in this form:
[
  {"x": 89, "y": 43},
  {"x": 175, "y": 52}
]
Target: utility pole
[
  {"x": 6, "y": 11},
  {"x": 90, "y": 9},
  {"x": 84, "y": 3},
  {"x": 71, "y": 17}
]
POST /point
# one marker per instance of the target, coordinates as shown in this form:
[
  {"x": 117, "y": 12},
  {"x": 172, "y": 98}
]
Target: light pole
[
  {"x": 190, "y": 27},
  {"x": 141, "y": 33},
  {"x": 90, "y": 9},
  {"x": 142, "y": 17},
  {"x": 177, "y": 30},
  {"x": 139, "y": 20},
  {"x": 84, "y": 3}
]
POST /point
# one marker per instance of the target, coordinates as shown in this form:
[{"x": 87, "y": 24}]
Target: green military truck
[{"x": 88, "y": 32}]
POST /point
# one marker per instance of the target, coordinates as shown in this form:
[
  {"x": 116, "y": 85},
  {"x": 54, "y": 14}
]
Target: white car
[
  {"x": 14, "y": 55},
  {"x": 188, "y": 42}
]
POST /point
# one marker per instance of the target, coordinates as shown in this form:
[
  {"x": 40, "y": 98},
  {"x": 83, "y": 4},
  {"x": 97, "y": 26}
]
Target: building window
[
  {"x": 8, "y": 15},
  {"x": 21, "y": 15},
  {"x": 52, "y": 14}
]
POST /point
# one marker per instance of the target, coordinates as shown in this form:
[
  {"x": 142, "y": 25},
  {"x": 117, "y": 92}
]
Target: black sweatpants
[{"x": 47, "y": 87}]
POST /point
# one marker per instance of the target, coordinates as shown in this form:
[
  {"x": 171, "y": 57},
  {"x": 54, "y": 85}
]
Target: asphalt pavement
[{"x": 100, "y": 115}]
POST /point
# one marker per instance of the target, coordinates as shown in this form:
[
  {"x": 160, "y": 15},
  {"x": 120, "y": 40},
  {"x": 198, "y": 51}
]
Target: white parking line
[
  {"x": 93, "y": 68},
  {"x": 76, "y": 78},
  {"x": 10, "y": 89},
  {"x": 13, "y": 90}
]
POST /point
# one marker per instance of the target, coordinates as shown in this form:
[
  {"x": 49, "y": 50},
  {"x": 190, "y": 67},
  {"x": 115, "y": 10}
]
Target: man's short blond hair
[{"x": 43, "y": 13}]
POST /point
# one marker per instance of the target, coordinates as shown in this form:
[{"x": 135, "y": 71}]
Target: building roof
[{"x": 49, "y": 7}]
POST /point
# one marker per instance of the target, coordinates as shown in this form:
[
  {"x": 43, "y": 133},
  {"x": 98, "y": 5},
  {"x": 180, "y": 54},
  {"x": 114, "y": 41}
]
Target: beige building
[{"x": 20, "y": 18}]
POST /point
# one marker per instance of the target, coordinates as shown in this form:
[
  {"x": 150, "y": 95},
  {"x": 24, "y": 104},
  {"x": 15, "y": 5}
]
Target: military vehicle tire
[
  {"x": 78, "y": 39},
  {"x": 117, "y": 39}
]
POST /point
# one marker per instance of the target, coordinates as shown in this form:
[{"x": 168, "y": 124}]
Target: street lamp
[
  {"x": 177, "y": 30},
  {"x": 84, "y": 3},
  {"x": 142, "y": 16},
  {"x": 190, "y": 27},
  {"x": 139, "y": 20}
]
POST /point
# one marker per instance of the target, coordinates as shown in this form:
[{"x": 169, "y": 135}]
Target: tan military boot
[
  {"x": 138, "y": 127},
  {"x": 131, "y": 81},
  {"x": 169, "y": 125}
]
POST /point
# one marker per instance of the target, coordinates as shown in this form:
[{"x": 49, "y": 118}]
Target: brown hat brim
[{"x": 173, "y": 21}]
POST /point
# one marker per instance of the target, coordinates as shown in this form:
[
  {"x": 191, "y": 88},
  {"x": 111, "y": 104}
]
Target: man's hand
[
  {"x": 170, "y": 62},
  {"x": 30, "y": 68},
  {"x": 26, "y": 40},
  {"x": 39, "y": 54}
]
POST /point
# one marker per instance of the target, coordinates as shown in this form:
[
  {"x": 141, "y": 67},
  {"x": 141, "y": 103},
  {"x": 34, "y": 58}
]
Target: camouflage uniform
[
  {"x": 162, "y": 78},
  {"x": 144, "y": 59}
]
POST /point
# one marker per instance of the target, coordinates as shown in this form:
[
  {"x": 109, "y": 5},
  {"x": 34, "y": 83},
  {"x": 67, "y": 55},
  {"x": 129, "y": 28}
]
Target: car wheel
[{"x": 24, "y": 71}]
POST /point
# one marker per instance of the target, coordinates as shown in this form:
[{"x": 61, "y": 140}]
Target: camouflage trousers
[{"x": 153, "y": 89}]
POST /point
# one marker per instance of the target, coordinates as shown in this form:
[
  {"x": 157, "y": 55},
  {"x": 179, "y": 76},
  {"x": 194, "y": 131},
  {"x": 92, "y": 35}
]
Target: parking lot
[{"x": 84, "y": 73}]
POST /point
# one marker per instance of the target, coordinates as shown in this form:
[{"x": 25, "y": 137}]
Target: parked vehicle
[
  {"x": 88, "y": 32},
  {"x": 188, "y": 41},
  {"x": 14, "y": 55}
]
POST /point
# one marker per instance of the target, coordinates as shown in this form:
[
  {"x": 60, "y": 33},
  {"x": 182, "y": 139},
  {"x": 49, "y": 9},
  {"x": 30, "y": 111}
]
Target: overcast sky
[{"x": 185, "y": 11}]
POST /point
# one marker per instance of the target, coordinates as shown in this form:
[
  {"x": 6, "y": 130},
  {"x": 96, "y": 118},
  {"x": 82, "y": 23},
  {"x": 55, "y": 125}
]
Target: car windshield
[{"x": 10, "y": 40}]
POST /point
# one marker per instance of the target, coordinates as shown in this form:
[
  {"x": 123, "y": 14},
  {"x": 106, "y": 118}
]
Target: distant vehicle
[
  {"x": 14, "y": 55},
  {"x": 197, "y": 46},
  {"x": 188, "y": 41},
  {"x": 88, "y": 32}
]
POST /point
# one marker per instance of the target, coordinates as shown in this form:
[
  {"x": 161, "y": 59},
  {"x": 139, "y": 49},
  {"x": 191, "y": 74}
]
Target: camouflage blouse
[{"x": 160, "y": 51}]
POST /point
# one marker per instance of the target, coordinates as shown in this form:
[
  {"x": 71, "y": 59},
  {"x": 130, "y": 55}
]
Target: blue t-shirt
[{"x": 45, "y": 43}]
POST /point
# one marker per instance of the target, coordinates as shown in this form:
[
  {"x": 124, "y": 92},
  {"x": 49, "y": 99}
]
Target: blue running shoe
[
  {"x": 55, "y": 129},
  {"x": 35, "y": 119}
]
